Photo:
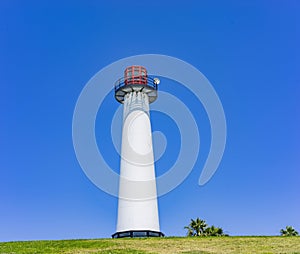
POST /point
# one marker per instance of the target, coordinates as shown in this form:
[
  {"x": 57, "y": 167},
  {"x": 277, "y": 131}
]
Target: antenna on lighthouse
[{"x": 137, "y": 206}]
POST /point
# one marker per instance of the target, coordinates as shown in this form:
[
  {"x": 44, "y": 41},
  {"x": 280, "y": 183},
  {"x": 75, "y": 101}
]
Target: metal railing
[{"x": 136, "y": 80}]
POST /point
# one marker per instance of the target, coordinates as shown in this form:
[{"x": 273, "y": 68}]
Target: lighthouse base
[{"x": 137, "y": 233}]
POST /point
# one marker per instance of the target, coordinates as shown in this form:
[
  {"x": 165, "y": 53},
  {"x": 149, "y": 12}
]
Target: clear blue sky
[{"x": 249, "y": 50}]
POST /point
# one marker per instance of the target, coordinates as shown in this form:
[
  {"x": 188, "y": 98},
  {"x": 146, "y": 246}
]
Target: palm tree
[
  {"x": 214, "y": 231},
  {"x": 199, "y": 227},
  {"x": 196, "y": 227},
  {"x": 288, "y": 231}
]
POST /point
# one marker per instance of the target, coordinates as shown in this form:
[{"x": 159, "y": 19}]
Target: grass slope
[{"x": 192, "y": 245}]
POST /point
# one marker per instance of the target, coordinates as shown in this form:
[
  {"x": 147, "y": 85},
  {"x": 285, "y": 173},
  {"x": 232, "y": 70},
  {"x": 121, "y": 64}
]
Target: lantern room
[
  {"x": 135, "y": 75},
  {"x": 136, "y": 79}
]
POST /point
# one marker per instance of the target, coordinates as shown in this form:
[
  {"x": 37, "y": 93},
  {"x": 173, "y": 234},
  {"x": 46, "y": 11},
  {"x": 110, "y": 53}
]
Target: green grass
[{"x": 190, "y": 245}]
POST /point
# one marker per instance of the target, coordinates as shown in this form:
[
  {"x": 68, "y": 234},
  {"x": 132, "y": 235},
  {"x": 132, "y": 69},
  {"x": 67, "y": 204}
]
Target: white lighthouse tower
[{"x": 137, "y": 207}]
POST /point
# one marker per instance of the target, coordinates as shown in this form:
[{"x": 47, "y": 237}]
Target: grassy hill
[{"x": 192, "y": 245}]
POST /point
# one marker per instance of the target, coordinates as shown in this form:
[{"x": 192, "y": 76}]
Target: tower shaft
[{"x": 137, "y": 207}]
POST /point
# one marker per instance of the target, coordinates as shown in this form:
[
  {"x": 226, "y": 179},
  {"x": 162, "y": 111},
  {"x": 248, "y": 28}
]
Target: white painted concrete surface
[{"x": 137, "y": 208}]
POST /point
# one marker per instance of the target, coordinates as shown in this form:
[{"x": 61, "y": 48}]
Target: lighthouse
[{"x": 137, "y": 204}]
